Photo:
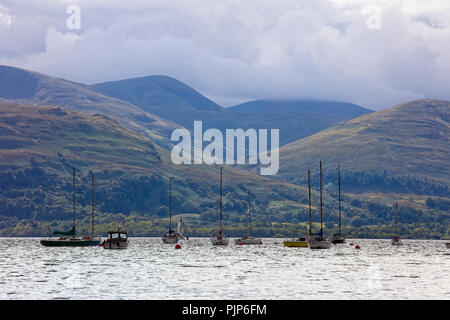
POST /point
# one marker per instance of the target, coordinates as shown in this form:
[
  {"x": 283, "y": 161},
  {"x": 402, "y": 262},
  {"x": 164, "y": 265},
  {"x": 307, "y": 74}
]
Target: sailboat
[
  {"x": 396, "y": 241},
  {"x": 337, "y": 237},
  {"x": 69, "y": 238},
  {"x": 170, "y": 237},
  {"x": 220, "y": 239},
  {"x": 248, "y": 239},
  {"x": 318, "y": 241},
  {"x": 302, "y": 242}
]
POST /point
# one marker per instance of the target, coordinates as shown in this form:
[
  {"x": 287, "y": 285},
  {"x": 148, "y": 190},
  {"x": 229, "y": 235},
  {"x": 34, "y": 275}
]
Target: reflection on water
[{"x": 149, "y": 269}]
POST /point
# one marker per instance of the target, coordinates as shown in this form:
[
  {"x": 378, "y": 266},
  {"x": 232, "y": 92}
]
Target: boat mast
[
  {"x": 396, "y": 221},
  {"x": 92, "y": 221},
  {"x": 309, "y": 201},
  {"x": 170, "y": 205},
  {"x": 74, "y": 198},
  {"x": 339, "y": 184},
  {"x": 220, "y": 218},
  {"x": 321, "y": 203},
  {"x": 250, "y": 213}
]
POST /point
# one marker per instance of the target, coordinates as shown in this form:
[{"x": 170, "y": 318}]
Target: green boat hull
[{"x": 70, "y": 243}]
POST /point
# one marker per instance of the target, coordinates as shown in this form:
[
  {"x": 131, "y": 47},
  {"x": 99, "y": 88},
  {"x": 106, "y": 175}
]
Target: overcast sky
[{"x": 374, "y": 53}]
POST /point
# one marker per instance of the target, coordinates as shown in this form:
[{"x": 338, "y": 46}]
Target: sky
[{"x": 371, "y": 52}]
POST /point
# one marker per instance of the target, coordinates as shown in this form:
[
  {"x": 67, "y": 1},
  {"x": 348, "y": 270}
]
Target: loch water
[{"x": 149, "y": 269}]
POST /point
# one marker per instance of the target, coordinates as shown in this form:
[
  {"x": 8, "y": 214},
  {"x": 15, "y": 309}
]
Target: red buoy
[
  {"x": 100, "y": 245},
  {"x": 357, "y": 247},
  {"x": 240, "y": 243},
  {"x": 260, "y": 242},
  {"x": 177, "y": 246}
]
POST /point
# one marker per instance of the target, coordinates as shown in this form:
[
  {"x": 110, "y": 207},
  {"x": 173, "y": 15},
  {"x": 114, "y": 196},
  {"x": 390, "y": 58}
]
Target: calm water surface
[{"x": 148, "y": 269}]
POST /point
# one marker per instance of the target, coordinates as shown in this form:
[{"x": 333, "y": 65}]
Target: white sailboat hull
[
  {"x": 169, "y": 240},
  {"x": 220, "y": 241},
  {"x": 319, "y": 244},
  {"x": 337, "y": 238}
]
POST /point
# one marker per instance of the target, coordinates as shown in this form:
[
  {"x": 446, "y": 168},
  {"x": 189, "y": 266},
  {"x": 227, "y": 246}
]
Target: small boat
[
  {"x": 301, "y": 242},
  {"x": 337, "y": 238},
  {"x": 69, "y": 238},
  {"x": 170, "y": 237},
  {"x": 248, "y": 239},
  {"x": 116, "y": 240},
  {"x": 318, "y": 241},
  {"x": 396, "y": 241},
  {"x": 220, "y": 239}
]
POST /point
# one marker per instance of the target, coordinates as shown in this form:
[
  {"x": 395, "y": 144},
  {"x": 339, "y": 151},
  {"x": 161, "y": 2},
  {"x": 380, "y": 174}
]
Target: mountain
[
  {"x": 401, "y": 149},
  {"x": 159, "y": 94},
  {"x": 39, "y": 145},
  {"x": 175, "y": 101},
  {"x": 156, "y": 105},
  {"x": 32, "y": 88}
]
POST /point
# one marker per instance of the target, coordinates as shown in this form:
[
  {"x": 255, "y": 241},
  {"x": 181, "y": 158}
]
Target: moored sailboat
[
  {"x": 69, "y": 238},
  {"x": 318, "y": 241},
  {"x": 220, "y": 239},
  {"x": 396, "y": 241},
  {"x": 248, "y": 239},
  {"x": 337, "y": 238},
  {"x": 170, "y": 237}
]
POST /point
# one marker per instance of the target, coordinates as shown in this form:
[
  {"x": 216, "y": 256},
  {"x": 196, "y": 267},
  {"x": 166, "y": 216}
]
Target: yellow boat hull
[{"x": 301, "y": 244}]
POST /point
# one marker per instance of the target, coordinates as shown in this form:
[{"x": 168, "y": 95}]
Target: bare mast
[
  {"x": 249, "y": 212},
  {"x": 339, "y": 184},
  {"x": 321, "y": 202},
  {"x": 74, "y": 191},
  {"x": 92, "y": 219},
  {"x": 220, "y": 221},
  {"x": 309, "y": 201}
]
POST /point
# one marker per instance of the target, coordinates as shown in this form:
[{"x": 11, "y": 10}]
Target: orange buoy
[
  {"x": 177, "y": 246},
  {"x": 357, "y": 247}
]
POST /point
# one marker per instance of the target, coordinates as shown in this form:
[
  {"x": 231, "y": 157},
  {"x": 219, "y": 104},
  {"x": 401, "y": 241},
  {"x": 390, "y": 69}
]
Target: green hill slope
[
  {"x": 405, "y": 148},
  {"x": 33, "y": 88},
  {"x": 39, "y": 145}
]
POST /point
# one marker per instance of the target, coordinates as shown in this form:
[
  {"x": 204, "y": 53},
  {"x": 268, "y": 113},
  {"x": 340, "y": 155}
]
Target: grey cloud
[{"x": 241, "y": 50}]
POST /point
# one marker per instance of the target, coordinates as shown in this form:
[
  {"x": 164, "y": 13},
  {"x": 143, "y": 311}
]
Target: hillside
[
  {"x": 32, "y": 88},
  {"x": 401, "y": 149},
  {"x": 40, "y": 145}
]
